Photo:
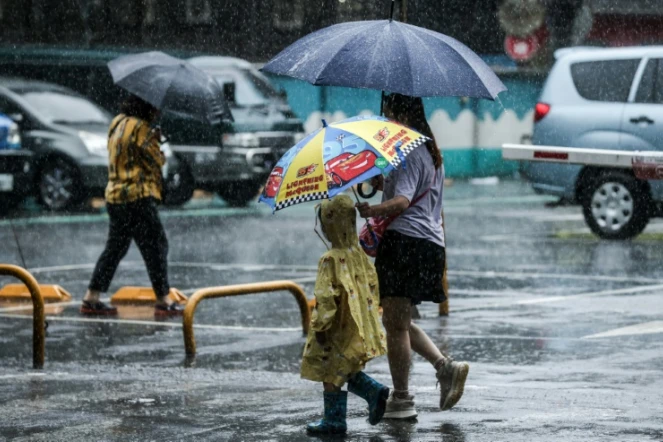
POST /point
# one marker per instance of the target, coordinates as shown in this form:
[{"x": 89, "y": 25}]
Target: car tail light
[{"x": 540, "y": 111}]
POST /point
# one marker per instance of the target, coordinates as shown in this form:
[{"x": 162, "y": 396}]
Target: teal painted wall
[{"x": 469, "y": 131}]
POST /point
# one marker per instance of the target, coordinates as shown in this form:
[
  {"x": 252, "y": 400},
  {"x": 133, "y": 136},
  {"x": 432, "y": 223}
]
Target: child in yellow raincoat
[{"x": 345, "y": 328}]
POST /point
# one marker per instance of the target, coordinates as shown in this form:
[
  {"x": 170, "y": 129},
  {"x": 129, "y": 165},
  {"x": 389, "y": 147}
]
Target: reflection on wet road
[{"x": 563, "y": 332}]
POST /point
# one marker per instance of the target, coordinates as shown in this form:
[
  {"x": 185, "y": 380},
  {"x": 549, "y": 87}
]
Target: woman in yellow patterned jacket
[
  {"x": 345, "y": 327},
  {"x": 132, "y": 194}
]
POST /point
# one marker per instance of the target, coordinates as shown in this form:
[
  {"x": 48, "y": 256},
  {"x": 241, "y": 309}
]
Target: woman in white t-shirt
[{"x": 410, "y": 260}]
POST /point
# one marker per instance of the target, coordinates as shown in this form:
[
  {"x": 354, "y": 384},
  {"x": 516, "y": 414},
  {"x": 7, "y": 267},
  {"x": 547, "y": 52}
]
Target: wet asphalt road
[{"x": 562, "y": 331}]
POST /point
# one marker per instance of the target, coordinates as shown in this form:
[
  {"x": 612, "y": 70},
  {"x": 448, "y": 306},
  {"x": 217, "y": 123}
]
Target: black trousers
[{"x": 138, "y": 220}]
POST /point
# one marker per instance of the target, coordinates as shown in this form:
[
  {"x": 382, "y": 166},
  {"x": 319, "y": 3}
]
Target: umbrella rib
[
  {"x": 409, "y": 58},
  {"x": 357, "y": 30},
  {"x": 452, "y": 43},
  {"x": 437, "y": 63}
]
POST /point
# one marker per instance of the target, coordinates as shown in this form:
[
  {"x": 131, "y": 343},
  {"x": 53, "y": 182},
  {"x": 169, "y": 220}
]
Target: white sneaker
[{"x": 398, "y": 408}]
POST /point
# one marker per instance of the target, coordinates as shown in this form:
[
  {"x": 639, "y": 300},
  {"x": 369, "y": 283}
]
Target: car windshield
[
  {"x": 251, "y": 88},
  {"x": 63, "y": 108}
]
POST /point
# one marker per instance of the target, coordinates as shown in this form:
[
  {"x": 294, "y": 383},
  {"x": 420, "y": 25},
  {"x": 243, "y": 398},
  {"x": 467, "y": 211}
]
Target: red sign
[
  {"x": 551, "y": 155},
  {"x": 524, "y": 48}
]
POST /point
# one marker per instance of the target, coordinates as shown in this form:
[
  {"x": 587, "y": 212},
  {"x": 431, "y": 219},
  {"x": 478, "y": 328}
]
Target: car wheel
[
  {"x": 616, "y": 205},
  {"x": 240, "y": 193},
  {"x": 178, "y": 188},
  {"x": 337, "y": 180},
  {"x": 60, "y": 185}
]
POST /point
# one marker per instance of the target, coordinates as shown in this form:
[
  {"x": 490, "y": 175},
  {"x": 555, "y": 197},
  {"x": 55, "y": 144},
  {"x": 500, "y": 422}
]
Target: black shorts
[{"x": 410, "y": 268}]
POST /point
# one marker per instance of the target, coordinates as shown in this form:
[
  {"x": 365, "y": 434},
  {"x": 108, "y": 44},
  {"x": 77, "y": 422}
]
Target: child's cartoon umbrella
[{"x": 337, "y": 156}]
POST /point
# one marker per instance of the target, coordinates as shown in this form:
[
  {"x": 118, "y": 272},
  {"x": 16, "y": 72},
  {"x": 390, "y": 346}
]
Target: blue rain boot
[
  {"x": 373, "y": 392},
  {"x": 336, "y": 408}
]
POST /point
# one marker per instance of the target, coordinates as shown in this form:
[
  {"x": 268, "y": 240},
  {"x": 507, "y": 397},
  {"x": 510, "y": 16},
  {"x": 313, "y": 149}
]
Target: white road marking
[
  {"x": 28, "y": 306},
  {"x": 33, "y": 375},
  {"x": 305, "y": 268},
  {"x": 638, "y": 329},
  {"x": 488, "y": 292},
  {"x": 214, "y": 266},
  {"x": 158, "y": 324},
  {"x": 639, "y": 289},
  {"x": 522, "y": 275}
]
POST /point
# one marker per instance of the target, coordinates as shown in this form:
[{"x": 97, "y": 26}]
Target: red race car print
[
  {"x": 273, "y": 183},
  {"x": 346, "y": 167}
]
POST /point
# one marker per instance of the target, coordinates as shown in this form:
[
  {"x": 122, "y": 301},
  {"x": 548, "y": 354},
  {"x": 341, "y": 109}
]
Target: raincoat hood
[{"x": 338, "y": 217}]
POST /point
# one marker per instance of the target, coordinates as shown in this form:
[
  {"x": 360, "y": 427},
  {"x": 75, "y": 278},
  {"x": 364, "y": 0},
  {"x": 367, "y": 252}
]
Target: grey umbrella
[{"x": 171, "y": 84}]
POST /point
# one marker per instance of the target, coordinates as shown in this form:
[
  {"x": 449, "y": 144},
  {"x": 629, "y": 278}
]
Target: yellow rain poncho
[{"x": 347, "y": 302}]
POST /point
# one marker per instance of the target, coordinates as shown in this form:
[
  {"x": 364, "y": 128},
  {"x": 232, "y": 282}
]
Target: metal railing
[
  {"x": 237, "y": 290},
  {"x": 38, "y": 319}
]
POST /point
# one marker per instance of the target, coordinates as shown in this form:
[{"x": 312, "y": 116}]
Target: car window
[
  {"x": 649, "y": 89},
  {"x": 63, "y": 108},
  {"x": 9, "y": 107},
  {"x": 250, "y": 89},
  {"x": 604, "y": 80}
]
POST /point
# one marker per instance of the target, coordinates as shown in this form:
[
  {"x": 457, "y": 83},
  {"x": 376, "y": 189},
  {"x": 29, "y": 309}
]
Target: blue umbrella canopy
[
  {"x": 389, "y": 56},
  {"x": 171, "y": 84}
]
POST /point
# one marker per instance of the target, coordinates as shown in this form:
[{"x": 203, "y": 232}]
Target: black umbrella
[{"x": 171, "y": 84}]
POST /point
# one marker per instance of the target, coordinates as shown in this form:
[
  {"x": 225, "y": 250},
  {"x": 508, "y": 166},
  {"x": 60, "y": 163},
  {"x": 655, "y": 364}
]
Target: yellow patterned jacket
[
  {"x": 134, "y": 161},
  {"x": 347, "y": 302}
]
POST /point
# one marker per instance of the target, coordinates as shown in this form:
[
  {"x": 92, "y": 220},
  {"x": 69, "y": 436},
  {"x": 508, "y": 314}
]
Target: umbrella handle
[{"x": 360, "y": 190}]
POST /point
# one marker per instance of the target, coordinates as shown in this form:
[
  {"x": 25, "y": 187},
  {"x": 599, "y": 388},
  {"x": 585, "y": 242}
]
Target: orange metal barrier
[
  {"x": 236, "y": 290},
  {"x": 38, "y": 320}
]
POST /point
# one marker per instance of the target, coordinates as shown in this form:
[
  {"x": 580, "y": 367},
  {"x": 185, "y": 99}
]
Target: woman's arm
[{"x": 394, "y": 206}]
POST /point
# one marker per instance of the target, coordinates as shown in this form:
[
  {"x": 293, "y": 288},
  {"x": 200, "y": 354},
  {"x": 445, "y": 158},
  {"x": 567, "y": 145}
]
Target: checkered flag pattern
[
  {"x": 409, "y": 148},
  {"x": 302, "y": 199}
]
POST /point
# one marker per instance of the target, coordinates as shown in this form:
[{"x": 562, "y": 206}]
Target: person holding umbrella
[
  {"x": 155, "y": 81},
  {"x": 410, "y": 261},
  {"x": 133, "y": 192},
  {"x": 406, "y": 61}
]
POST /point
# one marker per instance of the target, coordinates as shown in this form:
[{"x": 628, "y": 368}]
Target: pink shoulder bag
[{"x": 372, "y": 232}]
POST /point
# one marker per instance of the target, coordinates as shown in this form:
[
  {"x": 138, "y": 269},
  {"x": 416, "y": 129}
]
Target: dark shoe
[
  {"x": 452, "y": 377},
  {"x": 372, "y": 392},
  {"x": 336, "y": 408},
  {"x": 168, "y": 311},
  {"x": 97, "y": 308}
]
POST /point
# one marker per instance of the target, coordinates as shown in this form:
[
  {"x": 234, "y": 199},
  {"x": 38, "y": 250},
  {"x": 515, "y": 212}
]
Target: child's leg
[
  {"x": 373, "y": 392},
  {"x": 336, "y": 406},
  {"x": 330, "y": 388}
]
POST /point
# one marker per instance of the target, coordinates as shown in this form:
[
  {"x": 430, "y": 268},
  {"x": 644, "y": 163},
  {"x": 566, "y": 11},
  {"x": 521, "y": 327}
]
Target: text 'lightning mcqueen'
[{"x": 346, "y": 167}]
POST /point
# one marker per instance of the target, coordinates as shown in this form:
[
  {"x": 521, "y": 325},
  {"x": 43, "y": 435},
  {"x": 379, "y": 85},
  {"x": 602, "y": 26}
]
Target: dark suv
[
  {"x": 233, "y": 160},
  {"x": 68, "y": 135}
]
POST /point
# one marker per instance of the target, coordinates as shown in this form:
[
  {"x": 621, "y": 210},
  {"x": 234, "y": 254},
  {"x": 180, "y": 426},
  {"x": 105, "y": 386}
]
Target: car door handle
[{"x": 642, "y": 119}]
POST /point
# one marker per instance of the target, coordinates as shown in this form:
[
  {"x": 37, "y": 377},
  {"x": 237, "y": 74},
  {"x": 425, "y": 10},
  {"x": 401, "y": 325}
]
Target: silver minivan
[{"x": 604, "y": 99}]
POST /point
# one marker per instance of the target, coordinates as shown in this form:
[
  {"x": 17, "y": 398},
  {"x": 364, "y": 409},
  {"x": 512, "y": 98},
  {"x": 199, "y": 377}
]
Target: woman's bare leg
[
  {"x": 423, "y": 346},
  {"x": 396, "y": 317}
]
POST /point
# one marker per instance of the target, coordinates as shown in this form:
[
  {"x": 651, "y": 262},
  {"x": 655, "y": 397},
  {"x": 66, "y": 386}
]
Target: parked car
[
  {"x": 68, "y": 135},
  {"x": 602, "y": 99},
  {"x": 233, "y": 160},
  {"x": 15, "y": 166}
]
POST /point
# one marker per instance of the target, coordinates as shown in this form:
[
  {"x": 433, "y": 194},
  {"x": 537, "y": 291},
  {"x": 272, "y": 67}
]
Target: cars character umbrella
[{"x": 338, "y": 156}]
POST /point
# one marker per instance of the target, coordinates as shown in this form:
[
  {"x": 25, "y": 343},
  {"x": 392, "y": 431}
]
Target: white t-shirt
[{"x": 423, "y": 219}]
